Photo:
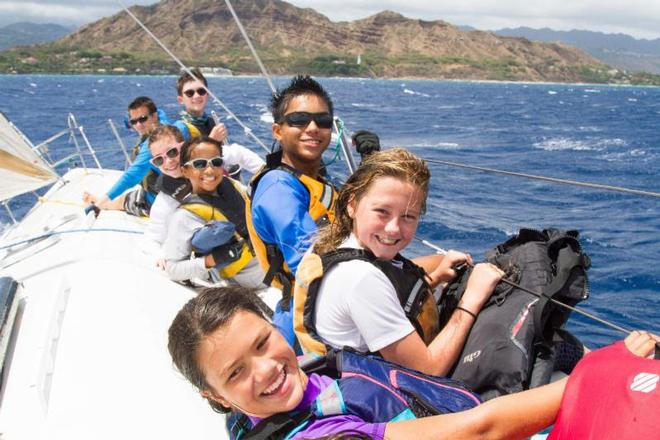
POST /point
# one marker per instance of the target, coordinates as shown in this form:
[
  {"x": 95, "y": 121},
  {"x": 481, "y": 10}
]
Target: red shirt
[{"x": 611, "y": 394}]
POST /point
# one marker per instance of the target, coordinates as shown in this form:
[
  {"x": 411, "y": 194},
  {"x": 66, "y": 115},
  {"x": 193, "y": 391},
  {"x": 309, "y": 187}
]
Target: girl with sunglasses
[
  {"x": 165, "y": 144},
  {"x": 210, "y": 222}
]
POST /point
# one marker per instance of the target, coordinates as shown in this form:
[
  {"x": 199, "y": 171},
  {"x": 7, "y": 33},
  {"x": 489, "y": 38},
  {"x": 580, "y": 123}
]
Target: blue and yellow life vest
[
  {"x": 227, "y": 205},
  {"x": 322, "y": 197}
]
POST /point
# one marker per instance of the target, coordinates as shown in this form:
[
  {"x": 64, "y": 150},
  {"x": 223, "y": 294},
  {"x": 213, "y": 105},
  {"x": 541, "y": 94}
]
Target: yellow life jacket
[
  {"x": 322, "y": 198},
  {"x": 228, "y": 205},
  {"x": 415, "y": 295},
  {"x": 193, "y": 130}
]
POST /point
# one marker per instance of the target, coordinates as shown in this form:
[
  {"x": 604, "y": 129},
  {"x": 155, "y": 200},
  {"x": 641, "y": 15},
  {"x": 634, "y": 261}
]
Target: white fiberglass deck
[{"x": 88, "y": 356}]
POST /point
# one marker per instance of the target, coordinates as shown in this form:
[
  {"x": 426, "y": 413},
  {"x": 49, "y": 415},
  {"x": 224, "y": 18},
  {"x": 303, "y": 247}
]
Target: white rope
[{"x": 189, "y": 72}]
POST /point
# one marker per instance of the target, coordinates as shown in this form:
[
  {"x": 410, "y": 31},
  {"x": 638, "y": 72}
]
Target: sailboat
[{"x": 85, "y": 312}]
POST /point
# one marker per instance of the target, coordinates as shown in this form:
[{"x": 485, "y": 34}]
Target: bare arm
[
  {"x": 440, "y": 268},
  {"x": 441, "y": 354},
  {"x": 508, "y": 417}
]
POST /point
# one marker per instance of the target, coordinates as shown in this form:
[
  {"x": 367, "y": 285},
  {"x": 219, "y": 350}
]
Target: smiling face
[
  {"x": 303, "y": 146},
  {"x": 249, "y": 365},
  {"x": 206, "y": 180},
  {"x": 196, "y": 103},
  {"x": 171, "y": 165},
  {"x": 385, "y": 219}
]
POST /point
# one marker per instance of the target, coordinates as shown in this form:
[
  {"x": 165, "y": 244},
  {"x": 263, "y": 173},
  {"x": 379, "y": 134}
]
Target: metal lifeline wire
[
  {"x": 549, "y": 179},
  {"x": 247, "y": 130}
]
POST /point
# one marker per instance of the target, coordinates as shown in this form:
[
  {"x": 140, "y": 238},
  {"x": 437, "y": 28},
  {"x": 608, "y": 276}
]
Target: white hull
[{"x": 88, "y": 357}]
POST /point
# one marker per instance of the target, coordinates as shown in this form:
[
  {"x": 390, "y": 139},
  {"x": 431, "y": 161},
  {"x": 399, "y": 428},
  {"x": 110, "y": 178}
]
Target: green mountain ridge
[{"x": 295, "y": 40}]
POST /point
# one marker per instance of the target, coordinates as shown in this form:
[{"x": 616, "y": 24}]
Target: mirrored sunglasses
[
  {"x": 201, "y": 164},
  {"x": 302, "y": 119},
  {"x": 171, "y": 153},
  {"x": 191, "y": 92}
]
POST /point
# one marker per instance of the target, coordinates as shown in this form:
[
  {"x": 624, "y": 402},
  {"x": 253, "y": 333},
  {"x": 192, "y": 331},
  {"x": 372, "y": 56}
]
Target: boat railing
[{"x": 83, "y": 151}]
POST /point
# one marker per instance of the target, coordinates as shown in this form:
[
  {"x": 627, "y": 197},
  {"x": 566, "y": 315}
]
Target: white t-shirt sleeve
[
  {"x": 159, "y": 217},
  {"x": 236, "y": 154},
  {"x": 358, "y": 307}
]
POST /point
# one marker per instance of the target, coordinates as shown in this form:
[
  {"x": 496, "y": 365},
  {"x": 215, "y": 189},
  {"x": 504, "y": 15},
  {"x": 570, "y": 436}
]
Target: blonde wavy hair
[{"x": 396, "y": 162}]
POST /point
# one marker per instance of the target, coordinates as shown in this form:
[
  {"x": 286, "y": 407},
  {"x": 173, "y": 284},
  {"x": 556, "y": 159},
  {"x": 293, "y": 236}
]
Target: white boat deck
[{"x": 88, "y": 354}]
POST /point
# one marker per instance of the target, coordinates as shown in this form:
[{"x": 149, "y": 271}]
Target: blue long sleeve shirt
[{"x": 141, "y": 165}]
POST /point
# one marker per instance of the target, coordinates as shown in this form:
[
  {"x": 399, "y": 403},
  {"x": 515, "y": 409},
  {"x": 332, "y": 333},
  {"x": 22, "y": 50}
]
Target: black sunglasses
[
  {"x": 302, "y": 119},
  {"x": 191, "y": 92},
  {"x": 201, "y": 164},
  {"x": 171, "y": 153},
  {"x": 141, "y": 119}
]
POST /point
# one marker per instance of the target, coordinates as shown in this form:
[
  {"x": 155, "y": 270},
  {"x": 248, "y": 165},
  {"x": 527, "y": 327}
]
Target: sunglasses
[
  {"x": 191, "y": 92},
  {"x": 302, "y": 119},
  {"x": 201, "y": 164},
  {"x": 141, "y": 119},
  {"x": 159, "y": 160}
]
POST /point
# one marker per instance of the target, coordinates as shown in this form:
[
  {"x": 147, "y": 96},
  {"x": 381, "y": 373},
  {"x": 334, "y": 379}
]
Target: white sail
[{"x": 21, "y": 168}]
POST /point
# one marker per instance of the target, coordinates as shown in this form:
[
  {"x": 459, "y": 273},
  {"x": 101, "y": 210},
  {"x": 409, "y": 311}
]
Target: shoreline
[{"x": 347, "y": 78}]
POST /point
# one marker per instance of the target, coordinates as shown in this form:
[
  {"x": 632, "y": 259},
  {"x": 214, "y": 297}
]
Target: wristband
[{"x": 466, "y": 311}]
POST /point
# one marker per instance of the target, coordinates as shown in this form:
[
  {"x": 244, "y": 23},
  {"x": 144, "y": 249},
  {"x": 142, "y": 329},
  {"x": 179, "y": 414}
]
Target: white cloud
[{"x": 640, "y": 18}]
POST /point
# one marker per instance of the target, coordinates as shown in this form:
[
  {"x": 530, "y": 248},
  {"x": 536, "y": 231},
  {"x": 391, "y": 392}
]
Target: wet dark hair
[
  {"x": 201, "y": 316},
  {"x": 186, "y": 77},
  {"x": 299, "y": 85},
  {"x": 143, "y": 101},
  {"x": 189, "y": 146}
]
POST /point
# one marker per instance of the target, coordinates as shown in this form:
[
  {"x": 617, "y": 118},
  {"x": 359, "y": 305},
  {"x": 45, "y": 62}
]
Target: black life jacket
[
  {"x": 177, "y": 188},
  {"x": 414, "y": 294},
  {"x": 510, "y": 345},
  {"x": 368, "y": 387}
]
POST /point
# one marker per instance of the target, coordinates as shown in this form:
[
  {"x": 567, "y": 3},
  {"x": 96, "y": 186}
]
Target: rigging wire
[
  {"x": 548, "y": 179},
  {"x": 249, "y": 43},
  {"x": 246, "y": 129}
]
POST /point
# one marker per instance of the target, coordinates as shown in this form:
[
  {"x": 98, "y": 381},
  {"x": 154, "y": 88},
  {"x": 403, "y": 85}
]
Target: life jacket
[
  {"x": 150, "y": 181},
  {"x": 510, "y": 347},
  {"x": 228, "y": 205},
  {"x": 612, "y": 393},
  {"x": 368, "y": 387},
  {"x": 322, "y": 197},
  {"x": 414, "y": 293},
  {"x": 176, "y": 187}
]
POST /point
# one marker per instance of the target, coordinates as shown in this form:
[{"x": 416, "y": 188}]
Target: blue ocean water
[{"x": 598, "y": 134}]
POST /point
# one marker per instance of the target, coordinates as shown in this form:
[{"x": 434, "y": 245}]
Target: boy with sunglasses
[
  {"x": 143, "y": 117},
  {"x": 289, "y": 198},
  {"x": 192, "y": 93}
]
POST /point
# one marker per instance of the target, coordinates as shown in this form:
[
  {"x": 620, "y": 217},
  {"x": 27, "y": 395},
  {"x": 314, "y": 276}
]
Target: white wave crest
[
  {"x": 565, "y": 143},
  {"x": 412, "y": 92},
  {"x": 266, "y": 117}
]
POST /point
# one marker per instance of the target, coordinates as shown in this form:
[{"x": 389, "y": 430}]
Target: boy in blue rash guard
[
  {"x": 143, "y": 117},
  {"x": 289, "y": 197}
]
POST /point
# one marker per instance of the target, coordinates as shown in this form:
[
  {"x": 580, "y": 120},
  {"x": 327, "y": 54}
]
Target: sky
[{"x": 639, "y": 18}]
